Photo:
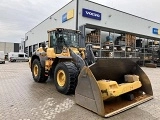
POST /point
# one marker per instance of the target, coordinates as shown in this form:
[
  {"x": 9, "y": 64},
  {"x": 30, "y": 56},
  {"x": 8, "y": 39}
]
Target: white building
[
  {"x": 22, "y": 46},
  {"x": 87, "y": 16},
  {"x": 9, "y": 47}
]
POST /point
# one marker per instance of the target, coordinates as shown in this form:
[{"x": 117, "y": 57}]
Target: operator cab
[{"x": 60, "y": 38}]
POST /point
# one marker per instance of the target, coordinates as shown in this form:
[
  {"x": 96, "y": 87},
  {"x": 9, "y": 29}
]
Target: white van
[
  {"x": 2, "y": 57},
  {"x": 17, "y": 56}
]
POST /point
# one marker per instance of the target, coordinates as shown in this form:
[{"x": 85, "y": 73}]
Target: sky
[{"x": 17, "y": 17}]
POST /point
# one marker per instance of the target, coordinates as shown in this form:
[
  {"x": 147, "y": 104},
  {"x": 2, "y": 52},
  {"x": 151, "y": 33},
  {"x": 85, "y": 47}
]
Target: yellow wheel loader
[{"x": 106, "y": 86}]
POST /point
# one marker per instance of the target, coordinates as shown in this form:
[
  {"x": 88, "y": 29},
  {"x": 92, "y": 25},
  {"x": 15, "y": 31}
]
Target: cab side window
[
  {"x": 52, "y": 39},
  {"x": 20, "y": 55}
]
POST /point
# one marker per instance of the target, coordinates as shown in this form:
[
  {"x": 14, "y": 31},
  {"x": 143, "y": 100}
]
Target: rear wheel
[
  {"x": 38, "y": 72},
  {"x": 65, "y": 77}
]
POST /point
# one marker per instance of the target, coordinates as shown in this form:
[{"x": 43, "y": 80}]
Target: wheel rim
[
  {"x": 35, "y": 70},
  {"x": 61, "y": 78}
]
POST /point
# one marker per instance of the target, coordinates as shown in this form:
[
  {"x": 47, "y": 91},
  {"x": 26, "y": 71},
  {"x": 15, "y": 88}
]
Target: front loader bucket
[{"x": 89, "y": 94}]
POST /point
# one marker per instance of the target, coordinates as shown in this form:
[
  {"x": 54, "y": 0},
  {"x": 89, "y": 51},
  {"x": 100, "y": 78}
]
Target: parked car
[
  {"x": 17, "y": 56},
  {"x": 2, "y": 57}
]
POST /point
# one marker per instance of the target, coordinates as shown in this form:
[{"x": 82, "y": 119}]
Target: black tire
[
  {"x": 71, "y": 73},
  {"x": 3, "y": 62},
  {"x": 40, "y": 77}
]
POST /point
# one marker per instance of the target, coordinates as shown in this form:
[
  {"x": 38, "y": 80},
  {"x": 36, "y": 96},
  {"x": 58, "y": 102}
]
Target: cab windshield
[{"x": 71, "y": 39}]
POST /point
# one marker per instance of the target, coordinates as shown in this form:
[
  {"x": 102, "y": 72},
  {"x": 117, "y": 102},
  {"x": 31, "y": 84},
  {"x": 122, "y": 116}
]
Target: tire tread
[{"x": 42, "y": 77}]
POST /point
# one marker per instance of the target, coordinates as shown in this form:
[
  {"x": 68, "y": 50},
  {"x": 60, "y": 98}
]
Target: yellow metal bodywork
[
  {"x": 35, "y": 70},
  {"x": 48, "y": 64},
  {"x": 61, "y": 78},
  {"x": 65, "y": 52},
  {"x": 111, "y": 89},
  {"x": 75, "y": 50},
  {"x": 51, "y": 53},
  {"x": 82, "y": 51}
]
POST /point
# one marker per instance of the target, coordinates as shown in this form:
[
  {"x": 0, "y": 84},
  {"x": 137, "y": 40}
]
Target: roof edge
[
  {"x": 122, "y": 11},
  {"x": 50, "y": 16}
]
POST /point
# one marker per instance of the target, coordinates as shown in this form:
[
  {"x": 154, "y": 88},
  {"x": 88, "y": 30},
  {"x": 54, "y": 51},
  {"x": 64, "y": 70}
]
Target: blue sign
[
  {"x": 155, "y": 31},
  {"x": 91, "y": 14},
  {"x": 64, "y": 17}
]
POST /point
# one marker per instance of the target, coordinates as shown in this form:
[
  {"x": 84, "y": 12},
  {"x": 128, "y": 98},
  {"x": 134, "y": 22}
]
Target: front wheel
[
  {"x": 65, "y": 77},
  {"x": 38, "y": 72}
]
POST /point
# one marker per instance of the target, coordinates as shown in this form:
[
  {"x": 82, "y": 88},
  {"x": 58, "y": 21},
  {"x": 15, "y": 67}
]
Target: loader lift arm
[{"x": 89, "y": 57}]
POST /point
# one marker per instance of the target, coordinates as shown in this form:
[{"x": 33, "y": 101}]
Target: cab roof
[{"x": 63, "y": 29}]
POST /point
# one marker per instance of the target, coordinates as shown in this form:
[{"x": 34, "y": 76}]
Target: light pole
[{"x": 22, "y": 45}]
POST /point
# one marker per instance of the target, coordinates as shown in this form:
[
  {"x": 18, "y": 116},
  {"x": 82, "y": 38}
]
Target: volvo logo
[{"x": 91, "y": 14}]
